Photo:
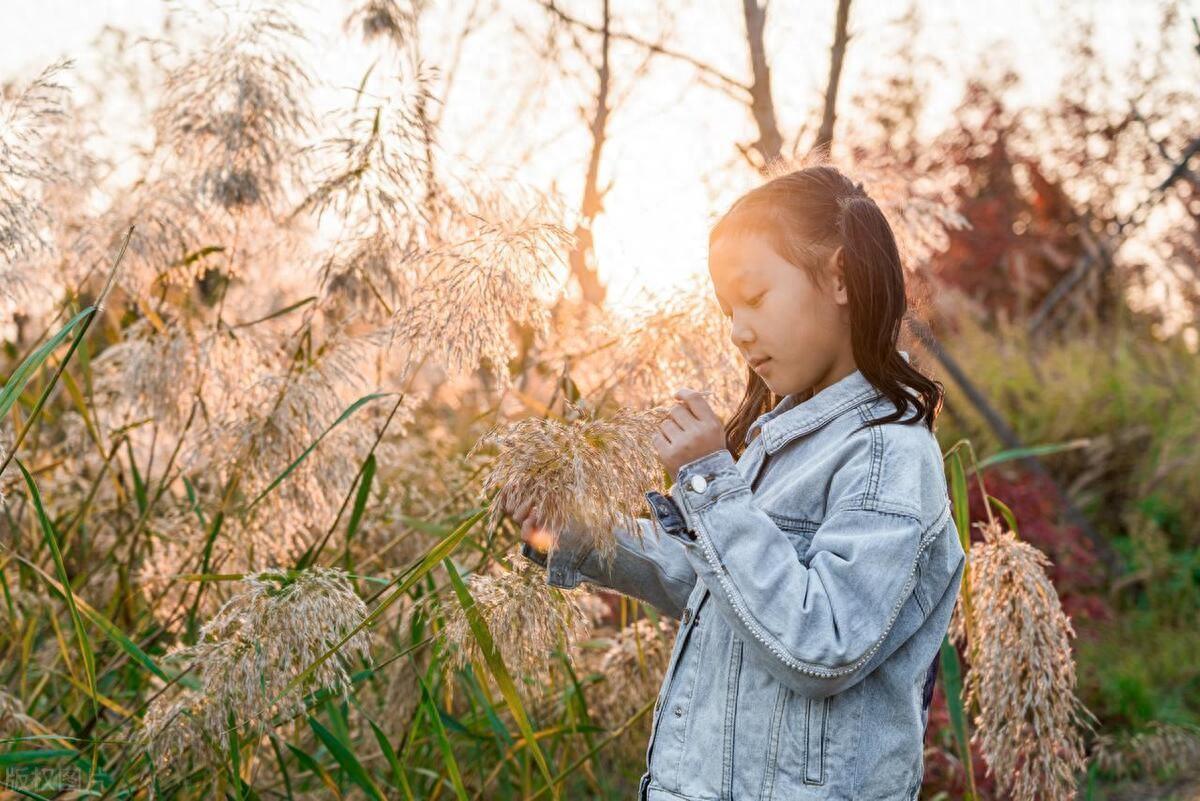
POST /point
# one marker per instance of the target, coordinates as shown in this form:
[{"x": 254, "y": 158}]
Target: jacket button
[
  {"x": 687, "y": 616},
  {"x": 699, "y": 484},
  {"x": 678, "y": 711}
]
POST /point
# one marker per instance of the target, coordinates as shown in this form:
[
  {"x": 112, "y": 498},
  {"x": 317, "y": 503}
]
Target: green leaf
[
  {"x": 443, "y": 741},
  {"x": 315, "y": 768},
  {"x": 952, "y": 688},
  {"x": 389, "y": 753},
  {"x": 85, "y": 647},
  {"x": 1032, "y": 450},
  {"x": 360, "y": 500},
  {"x": 345, "y": 757},
  {"x": 139, "y": 486},
  {"x": 1007, "y": 513},
  {"x": 500, "y": 673},
  {"x": 959, "y": 500},
  {"x": 15, "y": 758},
  {"x": 20, "y": 377}
]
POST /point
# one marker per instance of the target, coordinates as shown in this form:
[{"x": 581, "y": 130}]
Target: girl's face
[{"x": 793, "y": 332}]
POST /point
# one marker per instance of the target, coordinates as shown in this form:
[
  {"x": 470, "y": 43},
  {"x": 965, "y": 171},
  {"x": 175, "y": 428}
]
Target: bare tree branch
[
  {"x": 837, "y": 55},
  {"x": 738, "y": 89}
]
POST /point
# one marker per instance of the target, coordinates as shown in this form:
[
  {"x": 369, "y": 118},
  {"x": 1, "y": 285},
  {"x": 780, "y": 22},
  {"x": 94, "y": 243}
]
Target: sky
[{"x": 671, "y": 140}]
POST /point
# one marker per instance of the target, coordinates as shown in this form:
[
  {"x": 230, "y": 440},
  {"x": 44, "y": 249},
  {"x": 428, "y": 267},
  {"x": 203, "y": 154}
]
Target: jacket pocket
[{"x": 816, "y": 729}]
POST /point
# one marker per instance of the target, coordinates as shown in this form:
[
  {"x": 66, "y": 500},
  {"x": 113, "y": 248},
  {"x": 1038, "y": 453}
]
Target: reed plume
[
  {"x": 589, "y": 473},
  {"x": 28, "y": 118},
  {"x": 667, "y": 343},
  {"x": 252, "y": 649},
  {"x": 526, "y": 619},
  {"x": 1022, "y": 674},
  {"x": 1161, "y": 748},
  {"x": 235, "y": 105},
  {"x": 632, "y": 667}
]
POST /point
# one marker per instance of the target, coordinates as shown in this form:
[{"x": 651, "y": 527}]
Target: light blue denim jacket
[{"x": 812, "y": 602}]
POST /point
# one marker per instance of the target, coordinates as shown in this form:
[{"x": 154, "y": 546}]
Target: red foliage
[{"x": 1022, "y": 236}]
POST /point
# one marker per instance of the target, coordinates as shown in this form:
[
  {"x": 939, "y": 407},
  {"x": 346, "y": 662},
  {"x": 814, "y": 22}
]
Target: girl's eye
[{"x": 757, "y": 299}]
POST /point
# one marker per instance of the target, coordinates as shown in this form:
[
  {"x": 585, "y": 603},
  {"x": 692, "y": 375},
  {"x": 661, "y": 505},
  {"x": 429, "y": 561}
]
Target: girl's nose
[{"x": 741, "y": 335}]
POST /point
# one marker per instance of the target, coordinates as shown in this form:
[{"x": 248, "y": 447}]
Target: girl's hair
[{"x": 805, "y": 215}]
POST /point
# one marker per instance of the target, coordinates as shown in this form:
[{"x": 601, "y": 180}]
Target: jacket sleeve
[
  {"x": 819, "y": 628},
  {"x": 654, "y": 569}
]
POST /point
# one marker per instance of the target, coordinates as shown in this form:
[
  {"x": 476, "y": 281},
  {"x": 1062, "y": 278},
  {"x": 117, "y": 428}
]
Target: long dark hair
[{"x": 805, "y": 215}]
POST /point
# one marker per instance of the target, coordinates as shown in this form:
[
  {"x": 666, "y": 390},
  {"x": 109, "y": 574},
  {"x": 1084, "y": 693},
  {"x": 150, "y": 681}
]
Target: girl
[{"x": 810, "y": 554}]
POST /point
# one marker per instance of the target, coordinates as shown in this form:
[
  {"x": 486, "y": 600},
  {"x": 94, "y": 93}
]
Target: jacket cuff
[
  {"x": 704, "y": 481},
  {"x": 562, "y": 561},
  {"x": 670, "y": 516}
]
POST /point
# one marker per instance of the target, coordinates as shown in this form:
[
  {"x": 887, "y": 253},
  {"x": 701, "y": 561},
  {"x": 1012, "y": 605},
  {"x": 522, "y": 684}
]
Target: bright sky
[{"x": 671, "y": 140}]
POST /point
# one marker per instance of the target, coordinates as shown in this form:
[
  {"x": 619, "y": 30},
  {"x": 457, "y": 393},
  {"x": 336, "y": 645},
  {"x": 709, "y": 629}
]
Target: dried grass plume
[
  {"x": 1022, "y": 673},
  {"x": 589, "y": 473}
]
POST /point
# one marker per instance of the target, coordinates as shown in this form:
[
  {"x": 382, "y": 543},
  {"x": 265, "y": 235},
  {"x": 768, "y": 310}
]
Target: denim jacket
[{"x": 813, "y": 580}]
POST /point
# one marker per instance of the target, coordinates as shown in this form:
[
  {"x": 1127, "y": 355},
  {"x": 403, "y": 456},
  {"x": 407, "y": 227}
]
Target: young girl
[{"x": 809, "y": 553}]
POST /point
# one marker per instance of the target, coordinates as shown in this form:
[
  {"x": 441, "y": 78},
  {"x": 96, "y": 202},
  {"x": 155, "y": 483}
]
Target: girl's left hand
[{"x": 691, "y": 430}]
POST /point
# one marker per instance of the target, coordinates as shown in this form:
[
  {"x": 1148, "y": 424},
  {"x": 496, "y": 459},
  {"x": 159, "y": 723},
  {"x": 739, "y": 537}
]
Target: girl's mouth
[{"x": 757, "y": 364}]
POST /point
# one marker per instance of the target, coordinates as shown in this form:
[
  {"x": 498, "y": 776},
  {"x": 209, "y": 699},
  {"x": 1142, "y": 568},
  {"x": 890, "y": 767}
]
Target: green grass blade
[
  {"x": 1005, "y": 512},
  {"x": 85, "y": 646},
  {"x": 952, "y": 687},
  {"x": 315, "y": 768},
  {"x": 17, "y": 758},
  {"x": 351, "y": 409},
  {"x": 1032, "y": 450},
  {"x": 959, "y": 500},
  {"x": 443, "y": 741},
  {"x": 360, "y": 500},
  {"x": 389, "y": 753},
  {"x": 25, "y": 370},
  {"x": 496, "y": 665},
  {"x": 345, "y": 757}
]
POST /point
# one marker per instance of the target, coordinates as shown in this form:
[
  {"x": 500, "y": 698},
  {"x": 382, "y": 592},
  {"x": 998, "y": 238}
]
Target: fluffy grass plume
[
  {"x": 1163, "y": 748},
  {"x": 526, "y": 619},
  {"x": 632, "y": 666},
  {"x": 1022, "y": 674},
  {"x": 255, "y": 645},
  {"x": 585, "y": 472}
]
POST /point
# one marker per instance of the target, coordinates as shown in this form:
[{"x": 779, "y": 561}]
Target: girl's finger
[
  {"x": 522, "y": 510},
  {"x": 682, "y": 415},
  {"x": 670, "y": 429},
  {"x": 696, "y": 404}
]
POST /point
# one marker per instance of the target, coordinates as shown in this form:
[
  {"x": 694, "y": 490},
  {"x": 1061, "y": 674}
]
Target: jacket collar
[{"x": 792, "y": 417}]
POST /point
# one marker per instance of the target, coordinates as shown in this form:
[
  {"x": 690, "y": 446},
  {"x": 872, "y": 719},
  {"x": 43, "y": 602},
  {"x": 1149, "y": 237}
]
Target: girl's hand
[
  {"x": 691, "y": 430},
  {"x": 532, "y": 531}
]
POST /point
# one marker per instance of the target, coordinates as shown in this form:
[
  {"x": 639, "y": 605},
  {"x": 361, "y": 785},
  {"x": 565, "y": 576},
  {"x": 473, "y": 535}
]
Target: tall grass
[{"x": 246, "y": 554}]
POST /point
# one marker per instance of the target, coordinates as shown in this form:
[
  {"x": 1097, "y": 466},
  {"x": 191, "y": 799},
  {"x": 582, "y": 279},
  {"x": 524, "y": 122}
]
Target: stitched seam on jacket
[
  {"x": 772, "y": 643},
  {"x": 866, "y": 396},
  {"x": 768, "y": 785}
]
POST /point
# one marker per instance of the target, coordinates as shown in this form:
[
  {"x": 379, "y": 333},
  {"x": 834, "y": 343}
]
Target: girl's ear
[{"x": 838, "y": 271}]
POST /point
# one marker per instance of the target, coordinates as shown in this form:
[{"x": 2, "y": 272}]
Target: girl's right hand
[{"x": 531, "y": 531}]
